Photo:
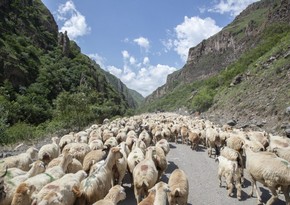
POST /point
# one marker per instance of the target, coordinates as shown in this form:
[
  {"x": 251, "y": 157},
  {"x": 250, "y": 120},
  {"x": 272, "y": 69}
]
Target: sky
[{"x": 142, "y": 41}]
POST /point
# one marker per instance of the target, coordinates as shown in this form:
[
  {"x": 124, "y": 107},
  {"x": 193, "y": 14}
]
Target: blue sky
[{"x": 142, "y": 41}]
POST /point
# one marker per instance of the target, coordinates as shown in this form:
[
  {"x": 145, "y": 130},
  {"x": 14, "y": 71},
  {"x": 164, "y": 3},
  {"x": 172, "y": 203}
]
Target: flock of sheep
[{"x": 89, "y": 167}]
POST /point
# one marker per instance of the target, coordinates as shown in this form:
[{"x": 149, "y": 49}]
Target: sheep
[
  {"x": 66, "y": 139},
  {"x": 234, "y": 155},
  {"x": 270, "y": 170},
  {"x": 63, "y": 187},
  {"x": 50, "y": 174},
  {"x": 193, "y": 139},
  {"x": 93, "y": 157},
  {"x": 163, "y": 143},
  {"x": 149, "y": 200},
  {"x": 121, "y": 165},
  {"x": 184, "y": 133},
  {"x": 261, "y": 137},
  {"x": 139, "y": 143},
  {"x": 49, "y": 151},
  {"x": 72, "y": 167},
  {"x": 96, "y": 144},
  {"x": 22, "y": 160},
  {"x": 236, "y": 142},
  {"x": 2, "y": 187},
  {"x": 278, "y": 141},
  {"x": 145, "y": 175},
  {"x": 121, "y": 136},
  {"x": 96, "y": 166},
  {"x": 145, "y": 137},
  {"x": 111, "y": 142},
  {"x": 23, "y": 194},
  {"x": 13, "y": 172},
  {"x": 77, "y": 150},
  {"x": 37, "y": 167},
  {"x": 98, "y": 184},
  {"x": 160, "y": 191},
  {"x": 232, "y": 173},
  {"x": 175, "y": 129},
  {"x": 179, "y": 188},
  {"x": 116, "y": 194},
  {"x": 160, "y": 161},
  {"x": 212, "y": 141},
  {"x": 283, "y": 153},
  {"x": 134, "y": 157}
]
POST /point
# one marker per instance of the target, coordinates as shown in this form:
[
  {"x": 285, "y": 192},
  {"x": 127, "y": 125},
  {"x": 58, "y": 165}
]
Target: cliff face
[{"x": 217, "y": 52}]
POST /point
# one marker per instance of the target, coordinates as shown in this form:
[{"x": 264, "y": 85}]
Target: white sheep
[
  {"x": 49, "y": 151},
  {"x": 63, "y": 187},
  {"x": 145, "y": 175},
  {"x": 111, "y": 142},
  {"x": 160, "y": 161},
  {"x": 179, "y": 188},
  {"x": 283, "y": 153},
  {"x": 50, "y": 174},
  {"x": 93, "y": 157},
  {"x": 134, "y": 157},
  {"x": 163, "y": 143},
  {"x": 73, "y": 167},
  {"x": 271, "y": 171},
  {"x": 37, "y": 167},
  {"x": 121, "y": 164},
  {"x": 116, "y": 194},
  {"x": 230, "y": 171},
  {"x": 212, "y": 141},
  {"x": 145, "y": 137},
  {"x": 160, "y": 197},
  {"x": 96, "y": 144},
  {"x": 98, "y": 184},
  {"x": 22, "y": 160},
  {"x": 66, "y": 139},
  {"x": 77, "y": 150}
]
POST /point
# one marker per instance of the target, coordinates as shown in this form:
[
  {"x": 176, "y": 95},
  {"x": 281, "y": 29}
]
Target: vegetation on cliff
[{"x": 46, "y": 83}]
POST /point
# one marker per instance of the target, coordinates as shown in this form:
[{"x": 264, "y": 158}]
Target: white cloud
[
  {"x": 234, "y": 7},
  {"x": 142, "y": 77},
  {"x": 146, "y": 61},
  {"x": 142, "y": 42},
  {"x": 125, "y": 54},
  {"x": 189, "y": 33},
  {"x": 74, "y": 22}
]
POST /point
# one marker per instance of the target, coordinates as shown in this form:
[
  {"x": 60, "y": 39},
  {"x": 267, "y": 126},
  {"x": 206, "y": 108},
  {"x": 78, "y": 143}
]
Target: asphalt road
[{"x": 203, "y": 181}]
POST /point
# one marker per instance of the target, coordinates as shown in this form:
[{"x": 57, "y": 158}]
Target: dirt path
[{"x": 203, "y": 182}]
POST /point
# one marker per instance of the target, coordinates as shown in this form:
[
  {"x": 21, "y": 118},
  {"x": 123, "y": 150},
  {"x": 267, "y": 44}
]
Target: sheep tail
[
  {"x": 177, "y": 192},
  {"x": 81, "y": 196},
  {"x": 77, "y": 191}
]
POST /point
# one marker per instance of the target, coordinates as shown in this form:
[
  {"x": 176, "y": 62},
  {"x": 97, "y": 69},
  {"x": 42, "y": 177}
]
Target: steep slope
[
  {"x": 242, "y": 72},
  {"x": 133, "y": 98},
  {"x": 45, "y": 80},
  {"x": 217, "y": 52}
]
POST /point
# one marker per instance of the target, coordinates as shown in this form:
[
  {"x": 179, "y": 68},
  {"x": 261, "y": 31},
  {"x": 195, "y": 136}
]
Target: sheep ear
[
  {"x": 152, "y": 190},
  {"x": 167, "y": 189},
  {"x": 30, "y": 165}
]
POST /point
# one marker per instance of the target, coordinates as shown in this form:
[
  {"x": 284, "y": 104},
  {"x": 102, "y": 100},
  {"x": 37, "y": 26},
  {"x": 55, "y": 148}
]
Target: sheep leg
[
  {"x": 239, "y": 190},
  {"x": 220, "y": 178},
  {"x": 254, "y": 186},
  {"x": 230, "y": 185},
  {"x": 274, "y": 196},
  {"x": 286, "y": 194}
]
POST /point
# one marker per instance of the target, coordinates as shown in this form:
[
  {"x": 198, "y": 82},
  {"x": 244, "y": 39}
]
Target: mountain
[
  {"x": 46, "y": 83},
  {"x": 240, "y": 72},
  {"x": 133, "y": 98}
]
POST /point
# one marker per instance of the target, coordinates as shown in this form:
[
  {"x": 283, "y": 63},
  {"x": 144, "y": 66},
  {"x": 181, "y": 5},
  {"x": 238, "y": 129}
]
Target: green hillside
[
  {"x": 46, "y": 83},
  {"x": 254, "y": 87}
]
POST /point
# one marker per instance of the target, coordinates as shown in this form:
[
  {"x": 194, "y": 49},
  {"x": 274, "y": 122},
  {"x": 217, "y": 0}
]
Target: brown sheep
[
  {"x": 23, "y": 194},
  {"x": 178, "y": 184}
]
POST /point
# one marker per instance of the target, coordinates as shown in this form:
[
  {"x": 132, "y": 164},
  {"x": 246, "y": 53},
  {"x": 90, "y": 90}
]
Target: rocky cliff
[{"x": 217, "y": 52}]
